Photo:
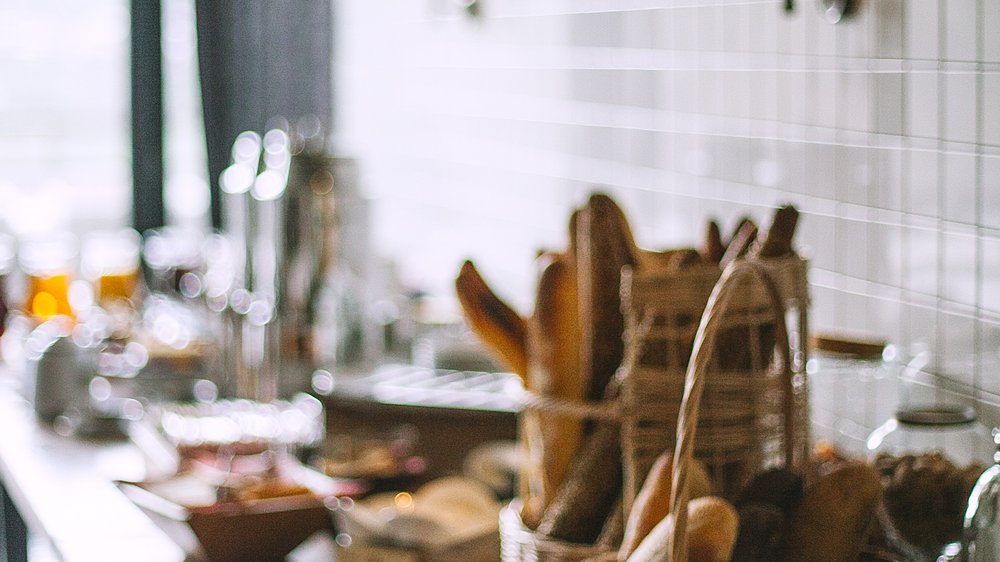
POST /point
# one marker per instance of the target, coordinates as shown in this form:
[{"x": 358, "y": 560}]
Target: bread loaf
[
  {"x": 652, "y": 502},
  {"x": 712, "y": 528},
  {"x": 779, "y": 487},
  {"x": 582, "y": 504},
  {"x": 831, "y": 523},
  {"x": 765, "y": 507},
  {"x": 762, "y": 534},
  {"x": 711, "y": 533},
  {"x": 554, "y": 369}
]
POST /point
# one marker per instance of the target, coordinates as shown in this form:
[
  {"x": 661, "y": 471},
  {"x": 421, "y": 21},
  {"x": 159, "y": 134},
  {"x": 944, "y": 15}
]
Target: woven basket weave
[
  {"x": 730, "y": 294},
  {"x": 520, "y": 544},
  {"x": 739, "y": 426},
  {"x": 741, "y": 423}
]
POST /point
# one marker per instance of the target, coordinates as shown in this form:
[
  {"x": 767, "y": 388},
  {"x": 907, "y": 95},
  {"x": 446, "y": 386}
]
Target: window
[
  {"x": 64, "y": 115},
  {"x": 65, "y": 132},
  {"x": 185, "y": 182}
]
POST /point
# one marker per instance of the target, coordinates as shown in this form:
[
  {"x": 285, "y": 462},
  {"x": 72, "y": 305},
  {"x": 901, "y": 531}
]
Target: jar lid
[
  {"x": 936, "y": 415},
  {"x": 858, "y": 346}
]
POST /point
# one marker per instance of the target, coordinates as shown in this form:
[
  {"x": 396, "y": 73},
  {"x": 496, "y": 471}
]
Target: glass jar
[
  {"x": 929, "y": 456},
  {"x": 853, "y": 387},
  {"x": 949, "y": 430}
]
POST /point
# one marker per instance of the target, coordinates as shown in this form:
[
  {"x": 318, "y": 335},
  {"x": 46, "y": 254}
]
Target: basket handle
[{"x": 694, "y": 384}]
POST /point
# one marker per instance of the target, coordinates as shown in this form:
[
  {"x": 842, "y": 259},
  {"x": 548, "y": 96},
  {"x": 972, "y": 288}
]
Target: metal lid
[
  {"x": 936, "y": 415},
  {"x": 861, "y": 347}
]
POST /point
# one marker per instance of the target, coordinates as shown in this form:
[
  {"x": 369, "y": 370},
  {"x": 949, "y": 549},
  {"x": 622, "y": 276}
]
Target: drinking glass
[
  {"x": 49, "y": 262},
  {"x": 110, "y": 261}
]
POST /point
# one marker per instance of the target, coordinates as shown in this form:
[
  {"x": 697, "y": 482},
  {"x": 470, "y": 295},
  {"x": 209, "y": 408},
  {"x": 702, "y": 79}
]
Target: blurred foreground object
[{"x": 298, "y": 236}]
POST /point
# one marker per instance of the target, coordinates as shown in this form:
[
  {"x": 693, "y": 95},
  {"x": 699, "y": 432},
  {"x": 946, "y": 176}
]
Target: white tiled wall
[{"x": 479, "y": 135}]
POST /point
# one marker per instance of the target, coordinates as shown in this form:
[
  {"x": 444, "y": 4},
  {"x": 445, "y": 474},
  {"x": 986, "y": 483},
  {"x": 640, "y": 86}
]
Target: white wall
[{"x": 479, "y": 136}]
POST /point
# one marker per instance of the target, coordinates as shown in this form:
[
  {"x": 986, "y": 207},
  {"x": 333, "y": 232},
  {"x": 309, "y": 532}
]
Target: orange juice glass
[
  {"x": 49, "y": 263},
  {"x": 110, "y": 260}
]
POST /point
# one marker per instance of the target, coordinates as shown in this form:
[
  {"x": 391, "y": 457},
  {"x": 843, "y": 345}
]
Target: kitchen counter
[{"x": 62, "y": 490}]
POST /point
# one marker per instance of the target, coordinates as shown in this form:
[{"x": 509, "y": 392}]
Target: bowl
[{"x": 264, "y": 529}]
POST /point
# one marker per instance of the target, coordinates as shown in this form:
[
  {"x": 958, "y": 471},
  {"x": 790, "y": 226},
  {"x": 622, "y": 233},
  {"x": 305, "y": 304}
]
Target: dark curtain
[{"x": 260, "y": 60}]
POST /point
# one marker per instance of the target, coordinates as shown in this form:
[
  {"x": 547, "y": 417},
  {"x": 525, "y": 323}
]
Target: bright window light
[{"x": 65, "y": 142}]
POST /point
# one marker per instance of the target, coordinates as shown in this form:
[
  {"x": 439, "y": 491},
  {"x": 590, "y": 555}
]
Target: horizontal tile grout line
[
  {"x": 585, "y": 108},
  {"x": 734, "y": 69},
  {"x": 988, "y": 398},
  {"x": 618, "y": 57},
  {"x": 908, "y": 297},
  {"x": 614, "y": 10},
  {"x": 813, "y": 204},
  {"x": 948, "y": 384}
]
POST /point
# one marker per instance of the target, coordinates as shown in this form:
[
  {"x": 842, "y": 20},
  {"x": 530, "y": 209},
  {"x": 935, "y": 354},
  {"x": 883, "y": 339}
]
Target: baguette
[
  {"x": 495, "y": 323},
  {"x": 614, "y": 528},
  {"x": 778, "y": 241},
  {"x": 604, "y": 244},
  {"x": 504, "y": 333},
  {"x": 553, "y": 369},
  {"x": 588, "y": 495},
  {"x": 713, "y": 249}
]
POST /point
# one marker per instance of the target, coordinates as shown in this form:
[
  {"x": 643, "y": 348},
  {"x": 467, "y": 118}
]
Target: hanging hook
[{"x": 836, "y": 10}]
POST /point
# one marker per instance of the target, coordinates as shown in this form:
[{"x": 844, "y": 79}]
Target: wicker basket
[
  {"x": 739, "y": 432},
  {"x": 728, "y": 295},
  {"x": 520, "y": 544},
  {"x": 517, "y": 541}
]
